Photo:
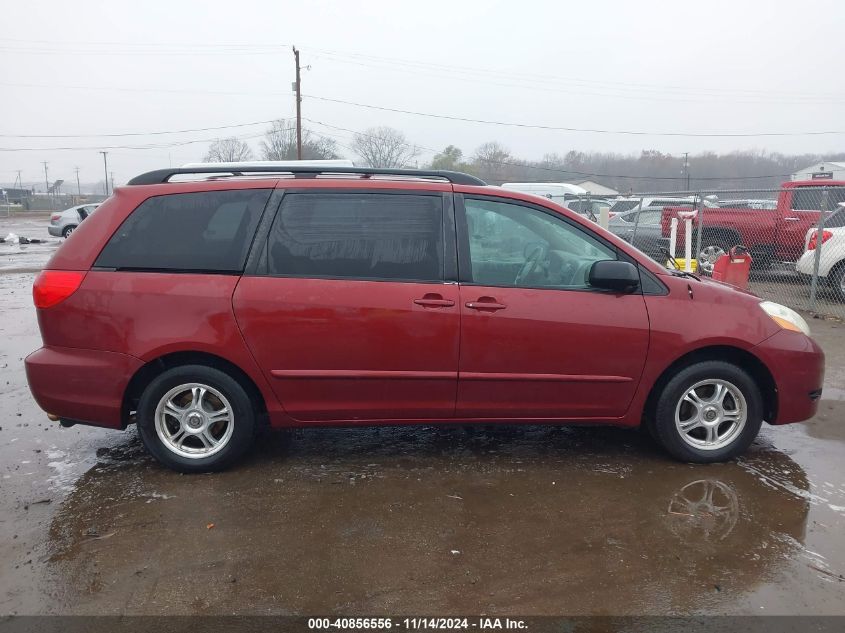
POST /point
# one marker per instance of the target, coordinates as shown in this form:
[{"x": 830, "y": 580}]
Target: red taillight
[
  {"x": 826, "y": 235},
  {"x": 54, "y": 286},
  {"x": 55, "y": 217}
]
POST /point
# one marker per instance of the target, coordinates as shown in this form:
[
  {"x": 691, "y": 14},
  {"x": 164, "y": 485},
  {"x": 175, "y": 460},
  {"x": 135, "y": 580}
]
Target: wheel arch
[
  {"x": 720, "y": 232},
  {"x": 727, "y": 353},
  {"x": 155, "y": 367}
]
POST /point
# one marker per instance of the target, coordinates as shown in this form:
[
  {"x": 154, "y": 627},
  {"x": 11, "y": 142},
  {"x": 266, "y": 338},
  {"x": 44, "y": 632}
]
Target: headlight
[{"x": 785, "y": 317}]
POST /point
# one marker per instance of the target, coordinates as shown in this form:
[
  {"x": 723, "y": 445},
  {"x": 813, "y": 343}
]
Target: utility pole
[
  {"x": 298, "y": 89},
  {"x": 46, "y": 180},
  {"x": 686, "y": 168},
  {"x": 105, "y": 171},
  {"x": 78, "y": 188},
  {"x": 112, "y": 180}
]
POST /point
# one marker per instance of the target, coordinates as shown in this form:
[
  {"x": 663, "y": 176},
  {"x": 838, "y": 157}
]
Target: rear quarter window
[
  {"x": 209, "y": 231},
  {"x": 836, "y": 220}
]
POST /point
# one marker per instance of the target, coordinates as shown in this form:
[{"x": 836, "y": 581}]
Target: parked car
[
  {"x": 831, "y": 253},
  {"x": 769, "y": 234},
  {"x": 590, "y": 207},
  {"x": 62, "y": 224},
  {"x": 203, "y": 310},
  {"x": 649, "y": 236},
  {"x": 630, "y": 203}
]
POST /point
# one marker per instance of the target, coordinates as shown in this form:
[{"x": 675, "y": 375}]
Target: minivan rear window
[
  {"x": 358, "y": 235},
  {"x": 209, "y": 231}
]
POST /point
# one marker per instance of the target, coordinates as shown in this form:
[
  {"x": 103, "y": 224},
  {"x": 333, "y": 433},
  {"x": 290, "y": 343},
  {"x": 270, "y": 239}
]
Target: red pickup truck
[{"x": 770, "y": 234}]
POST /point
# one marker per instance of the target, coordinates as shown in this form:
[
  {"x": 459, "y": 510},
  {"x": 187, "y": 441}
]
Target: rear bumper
[
  {"x": 828, "y": 259},
  {"x": 797, "y": 366},
  {"x": 54, "y": 230},
  {"x": 85, "y": 386}
]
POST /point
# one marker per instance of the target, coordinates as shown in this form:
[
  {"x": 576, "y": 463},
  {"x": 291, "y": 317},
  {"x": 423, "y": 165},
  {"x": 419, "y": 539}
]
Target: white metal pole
[{"x": 673, "y": 237}]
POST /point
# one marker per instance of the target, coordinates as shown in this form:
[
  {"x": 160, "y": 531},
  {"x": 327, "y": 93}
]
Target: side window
[
  {"x": 358, "y": 235},
  {"x": 810, "y": 198},
  {"x": 649, "y": 218},
  {"x": 209, "y": 231},
  {"x": 513, "y": 245}
]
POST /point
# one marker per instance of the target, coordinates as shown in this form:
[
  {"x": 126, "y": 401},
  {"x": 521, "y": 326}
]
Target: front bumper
[
  {"x": 85, "y": 386},
  {"x": 797, "y": 366}
]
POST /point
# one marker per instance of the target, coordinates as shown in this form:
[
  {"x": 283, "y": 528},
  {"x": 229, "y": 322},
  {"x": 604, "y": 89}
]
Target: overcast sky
[{"x": 114, "y": 67}]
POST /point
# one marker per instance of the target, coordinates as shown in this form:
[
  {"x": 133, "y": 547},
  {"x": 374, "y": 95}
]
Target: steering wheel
[{"x": 536, "y": 255}]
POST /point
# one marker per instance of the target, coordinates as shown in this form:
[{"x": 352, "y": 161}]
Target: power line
[
  {"x": 572, "y": 129},
  {"x": 168, "y": 48},
  {"x": 132, "y": 147},
  {"x": 400, "y": 111},
  {"x": 156, "y": 133},
  {"x": 582, "y": 87}
]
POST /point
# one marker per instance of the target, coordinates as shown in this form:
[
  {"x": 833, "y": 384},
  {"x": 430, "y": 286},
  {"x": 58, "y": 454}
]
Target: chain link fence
[{"x": 795, "y": 236}]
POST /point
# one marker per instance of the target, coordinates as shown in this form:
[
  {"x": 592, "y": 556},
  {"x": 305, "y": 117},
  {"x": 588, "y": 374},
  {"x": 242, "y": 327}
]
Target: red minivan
[{"x": 301, "y": 296}]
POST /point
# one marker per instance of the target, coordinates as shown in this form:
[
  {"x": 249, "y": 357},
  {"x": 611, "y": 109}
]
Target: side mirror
[{"x": 614, "y": 275}]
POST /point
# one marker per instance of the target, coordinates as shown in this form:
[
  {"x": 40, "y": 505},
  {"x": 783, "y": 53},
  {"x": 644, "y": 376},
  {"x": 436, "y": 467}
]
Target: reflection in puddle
[
  {"x": 707, "y": 508},
  {"x": 544, "y": 520}
]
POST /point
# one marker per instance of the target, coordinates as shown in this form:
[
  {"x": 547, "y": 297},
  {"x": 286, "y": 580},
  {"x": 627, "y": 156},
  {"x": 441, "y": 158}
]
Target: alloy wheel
[
  {"x": 711, "y": 414},
  {"x": 194, "y": 420},
  {"x": 707, "y": 258}
]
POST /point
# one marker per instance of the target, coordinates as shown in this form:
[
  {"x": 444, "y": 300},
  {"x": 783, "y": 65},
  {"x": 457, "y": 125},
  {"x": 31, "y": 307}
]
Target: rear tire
[
  {"x": 708, "y": 412},
  {"x": 196, "y": 419},
  {"x": 68, "y": 230},
  {"x": 837, "y": 281},
  {"x": 712, "y": 247}
]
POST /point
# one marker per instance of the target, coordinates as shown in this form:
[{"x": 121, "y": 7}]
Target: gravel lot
[{"x": 504, "y": 520}]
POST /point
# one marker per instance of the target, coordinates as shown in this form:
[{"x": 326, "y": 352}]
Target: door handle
[
  {"x": 792, "y": 219},
  {"x": 486, "y": 303},
  {"x": 433, "y": 302}
]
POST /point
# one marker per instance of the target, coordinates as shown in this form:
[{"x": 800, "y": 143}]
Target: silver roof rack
[{"x": 160, "y": 176}]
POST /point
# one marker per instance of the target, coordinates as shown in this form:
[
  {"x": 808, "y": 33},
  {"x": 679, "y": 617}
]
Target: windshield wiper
[{"x": 683, "y": 273}]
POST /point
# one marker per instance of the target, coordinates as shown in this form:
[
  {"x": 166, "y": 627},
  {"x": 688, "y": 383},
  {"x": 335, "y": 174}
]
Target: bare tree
[
  {"x": 280, "y": 143},
  {"x": 228, "y": 150},
  {"x": 491, "y": 160},
  {"x": 384, "y": 147}
]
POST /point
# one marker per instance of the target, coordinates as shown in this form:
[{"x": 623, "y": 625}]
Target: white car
[
  {"x": 629, "y": 203},
  {"x": 832, "y": 255},
  {"x": 64, "y": 222}
]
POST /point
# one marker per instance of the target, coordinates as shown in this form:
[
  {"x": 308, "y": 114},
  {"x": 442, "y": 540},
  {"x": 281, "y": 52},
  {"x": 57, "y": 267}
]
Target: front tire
[
  {"x": 196, "y": 419},
  {"x": 708, "y": 412}
]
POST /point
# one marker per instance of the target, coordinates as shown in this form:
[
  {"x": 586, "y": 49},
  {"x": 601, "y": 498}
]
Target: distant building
[
  {"x": 15, "y": 195},
  {"x": 596, "y": 189},
  {"x": 821, "y": 171}
]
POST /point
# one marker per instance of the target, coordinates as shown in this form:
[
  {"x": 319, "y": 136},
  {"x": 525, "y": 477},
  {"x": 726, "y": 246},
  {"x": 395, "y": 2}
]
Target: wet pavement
[{"x": 528, "y": 520}]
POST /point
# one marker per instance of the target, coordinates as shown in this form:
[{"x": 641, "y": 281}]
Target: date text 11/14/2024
[{"x": 417, "y": 624}]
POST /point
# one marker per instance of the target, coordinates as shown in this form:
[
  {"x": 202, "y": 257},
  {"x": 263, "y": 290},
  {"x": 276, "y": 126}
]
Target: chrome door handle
[{"x": 792, "y": 219}]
